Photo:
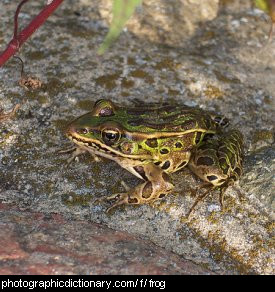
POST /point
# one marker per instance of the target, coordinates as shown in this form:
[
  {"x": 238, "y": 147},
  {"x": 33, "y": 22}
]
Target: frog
[{"x": 151, "y": 142}]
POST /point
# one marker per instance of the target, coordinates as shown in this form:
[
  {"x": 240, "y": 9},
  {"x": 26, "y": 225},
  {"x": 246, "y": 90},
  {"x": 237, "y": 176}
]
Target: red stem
[{"x": 19, "y": 39}]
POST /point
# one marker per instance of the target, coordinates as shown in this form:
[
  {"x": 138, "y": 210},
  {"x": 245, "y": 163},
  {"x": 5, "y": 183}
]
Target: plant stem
[
  {"x": 16, "y": 17},
  {"x": 19, "y": 39}
]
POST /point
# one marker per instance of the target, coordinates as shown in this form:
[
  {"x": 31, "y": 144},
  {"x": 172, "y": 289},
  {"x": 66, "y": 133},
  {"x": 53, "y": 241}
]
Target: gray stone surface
[
  {"x": 167, "y": 22},
  {"x": 223, "y": 65},
  {"x": 37, "y": 243}
]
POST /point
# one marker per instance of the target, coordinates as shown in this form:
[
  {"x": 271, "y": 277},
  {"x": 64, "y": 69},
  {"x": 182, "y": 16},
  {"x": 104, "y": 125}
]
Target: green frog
[{"x": 151, "y": 141}]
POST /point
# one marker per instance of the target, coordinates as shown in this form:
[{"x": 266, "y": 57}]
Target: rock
[
  {"x": 166, "y": 22},
  {"x": 35, "y": 243}
]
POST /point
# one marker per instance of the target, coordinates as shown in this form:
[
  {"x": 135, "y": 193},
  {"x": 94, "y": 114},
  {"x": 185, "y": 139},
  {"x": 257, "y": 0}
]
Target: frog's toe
[
  {"x": 121, "y": 199},
  {"x": 116, "y": 196},
  {"x": 106, "y": 198}
]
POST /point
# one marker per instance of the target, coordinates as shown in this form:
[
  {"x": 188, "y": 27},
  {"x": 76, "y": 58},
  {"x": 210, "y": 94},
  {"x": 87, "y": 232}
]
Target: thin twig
[
  {"x": 22, "y": 65},
  {"x": 16, "y": 18}
]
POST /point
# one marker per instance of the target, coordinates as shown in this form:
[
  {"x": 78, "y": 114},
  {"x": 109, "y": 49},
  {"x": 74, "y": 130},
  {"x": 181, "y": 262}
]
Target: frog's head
[{"x": 104, "y": 131}]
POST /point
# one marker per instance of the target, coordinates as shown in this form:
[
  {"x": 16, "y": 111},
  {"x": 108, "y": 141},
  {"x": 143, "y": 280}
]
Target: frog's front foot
[
  {"x": 75, "y": 152},
  {"x": 120, "y": 199}
]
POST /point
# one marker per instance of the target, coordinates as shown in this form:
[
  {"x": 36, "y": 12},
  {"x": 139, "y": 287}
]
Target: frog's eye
[
  {"x": 103, "y": 108},
  {"x": 110, "y": 136},
  {"x": 105, "y": 112}
]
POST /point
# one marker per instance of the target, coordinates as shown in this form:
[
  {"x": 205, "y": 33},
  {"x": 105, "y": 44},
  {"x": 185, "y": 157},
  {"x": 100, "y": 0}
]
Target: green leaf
[
  {"x": 267, "y": 6},
  {"x": 262, "y": 4},
  {"x": 122, "y": 11}
]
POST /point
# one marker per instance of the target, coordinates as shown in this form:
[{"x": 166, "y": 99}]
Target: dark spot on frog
[
  {"x": 233, "y": 161},
  {"x": 207, "y": 137},
  {"x": 153, "y": 143},
  {"x": 147, "y": 190},
  {"x": 211, "y": 177},
  {"x": 132, "y": 201},
  {"x": 198, "y": 138},
  {"x": 141, "y": 172},
  {"x": 178, "y": 145},
  {"x": 205, "y": 161},
  {"x": 162, "y": 196},
  {"x": 166, "y": 165},
  {"x": 224, "y": 165},
  {"x": 164, "y": 151}
]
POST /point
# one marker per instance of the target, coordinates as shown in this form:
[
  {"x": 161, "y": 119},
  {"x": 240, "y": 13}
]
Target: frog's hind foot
[
  {"x": 211, "y": 188},
  {"x": 199, "y": 199}
]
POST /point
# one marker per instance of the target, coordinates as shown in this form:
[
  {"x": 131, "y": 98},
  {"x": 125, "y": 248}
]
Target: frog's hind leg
[{"x": 156, "y": 186}]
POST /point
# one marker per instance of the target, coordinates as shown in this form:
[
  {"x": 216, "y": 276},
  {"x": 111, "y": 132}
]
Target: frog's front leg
[{"x": 156, "y": 186}]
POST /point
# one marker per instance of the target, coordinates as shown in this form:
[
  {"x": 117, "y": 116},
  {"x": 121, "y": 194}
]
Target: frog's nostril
[
  {"x": 71, "y": 129},
  {"x": 82, "y": 131}
]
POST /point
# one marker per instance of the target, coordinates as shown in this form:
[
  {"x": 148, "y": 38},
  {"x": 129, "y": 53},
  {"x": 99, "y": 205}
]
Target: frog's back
[{"x": 165, "y": 119}]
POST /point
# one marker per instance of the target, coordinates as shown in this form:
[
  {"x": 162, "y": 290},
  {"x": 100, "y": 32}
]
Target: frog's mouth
[
  {"x": 90, "y": 144},
  {"x": 100, "y": 149}
]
